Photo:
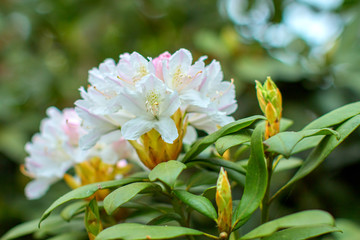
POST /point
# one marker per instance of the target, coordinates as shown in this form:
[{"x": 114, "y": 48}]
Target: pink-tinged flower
[
  {"x": 55, "y": 150},
  {"x": 159, "y": 62}
]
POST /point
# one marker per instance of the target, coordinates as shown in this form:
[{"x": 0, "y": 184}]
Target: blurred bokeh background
[{"x": 310, "y": 48}]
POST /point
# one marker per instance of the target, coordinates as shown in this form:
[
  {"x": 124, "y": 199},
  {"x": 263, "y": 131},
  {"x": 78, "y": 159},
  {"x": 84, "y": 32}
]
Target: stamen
[
  {"x": 24, "y": 172},
  {"x": 99, "y": 91},
  {"x": 221, "y": 93},
  {"x": 127, "y": 81},
  {"x": 152, "y": 103}
]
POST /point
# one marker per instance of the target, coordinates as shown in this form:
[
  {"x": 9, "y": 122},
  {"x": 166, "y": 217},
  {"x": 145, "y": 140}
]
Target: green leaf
[
  {"x": 301, "y": 233},
  {"x": 92, "y": 218},
  {"x": 330, "y": 119},
  {"x": 285, "y": 124},
  {"x": 125, "y": 194},
  {"x": 256, "y": 180},
  {"x": 351, "y": 230},
  {"x": 202, "y": 177},
  {"x": 335, "y": 117},
  {"x": 168, "y": 217},
  {"x": 235, "y": 171},
  {"x": 305, "y": 218},
  {"x": 70, "y": 236},
  {"x": 284, "y": 142},
  {"x": 27, "y": 228},
  {"x": 167, "y": 172},
  {"x": 232, "y": 140},
  {"x": 210, "y": 193},
  {"x": 307, "y": 143},
  {"x": 72, "y": 210},
  {"x": 230, "y": 128},
  {"x": 58, "y": 226},
  {"x": 218, "y": 163},
  {"x": 199, "y": 203},
  {"x": 135, "y": 231},
  {"x": 324, "y": 148},
  {"x": 85, "y": 192},
  {"x": 21, "y": 230},
  {"x": 286, "y": 164}
]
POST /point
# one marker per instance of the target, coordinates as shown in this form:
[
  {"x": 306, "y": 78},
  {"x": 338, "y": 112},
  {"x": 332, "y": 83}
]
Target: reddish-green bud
[{"x": 224, "y": 202}]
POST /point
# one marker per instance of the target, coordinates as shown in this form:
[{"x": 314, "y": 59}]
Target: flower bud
[
  {"x": 224, "y": 202},
  {"x": 270, "y": 102}
]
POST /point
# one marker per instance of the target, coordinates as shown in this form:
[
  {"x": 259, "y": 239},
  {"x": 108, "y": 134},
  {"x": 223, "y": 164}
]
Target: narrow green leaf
[
  {"x": 256, "y": 180},
  {"x": 167, "y": 172},
  {"x": 305, "y": 218},
  {"x": 135, "y": 231},
  {"x": 301, "y": 233},
  {"x": 230, "y": 128},
  {"x": 125, "y": 194},
  {"x": 335, "y": 117},
  {"x": 199, "y": 203},
  {"x": 232, "y": 140},
  {"x": 165, "y": 218},
  {"x": 284, "y": 142},
  {"x": 324, "y": 148},
  {"x": 72, "y": 210},
  {"x": 85, "y": 192}
]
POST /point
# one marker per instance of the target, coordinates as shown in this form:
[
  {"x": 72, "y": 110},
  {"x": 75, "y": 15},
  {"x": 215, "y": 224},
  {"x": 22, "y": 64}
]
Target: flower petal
[
  {"x": 38, "y": 187},
  {"x": 190, "y": 136},
  {"x": 194, "y": 99},
  {"x": 136, "y": 127},
  {"x": 132, "y": 101},
  {"x": 170, "y": 104},
  {"x": 167, "y": 129}
]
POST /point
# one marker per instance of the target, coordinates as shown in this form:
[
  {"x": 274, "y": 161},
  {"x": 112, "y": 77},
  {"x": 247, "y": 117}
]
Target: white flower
[
  {"x": 153, "y": 105},
  {"x": 150, "y": 97},
  {"x": 181, "y": 76},
  {"x": 55, "y": 150},
  {"x": 132, "y": 68},
  {"x": 222, "y": 103},
  {"x": 52, "y": 151}
]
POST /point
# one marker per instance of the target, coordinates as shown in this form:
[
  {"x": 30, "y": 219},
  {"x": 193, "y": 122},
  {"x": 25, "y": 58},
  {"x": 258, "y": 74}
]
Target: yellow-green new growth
[
  {"x": 270, "y": 101},
  {"x": 224, "y": 202}
]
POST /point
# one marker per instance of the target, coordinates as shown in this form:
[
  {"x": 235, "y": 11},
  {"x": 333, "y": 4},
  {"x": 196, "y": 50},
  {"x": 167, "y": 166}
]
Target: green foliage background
[{"x": 47, "y": 48}]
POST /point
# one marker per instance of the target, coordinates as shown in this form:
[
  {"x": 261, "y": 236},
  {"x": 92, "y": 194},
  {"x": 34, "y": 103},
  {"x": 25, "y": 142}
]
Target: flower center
[
  {"x": 142, "y": 71},
  {"x": 179, "y": 78},
  {"x": 152, "y": 102}
]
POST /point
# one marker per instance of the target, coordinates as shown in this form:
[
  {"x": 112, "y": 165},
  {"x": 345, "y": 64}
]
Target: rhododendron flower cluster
[
  {"x": 55, "y": 150},
  {"x": 153, "y": 101}
]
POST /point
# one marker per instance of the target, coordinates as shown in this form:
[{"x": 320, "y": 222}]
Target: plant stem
[{"x": 266, "y": 200}]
